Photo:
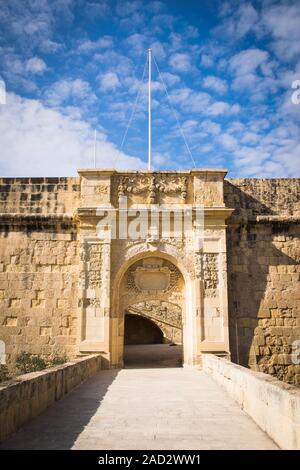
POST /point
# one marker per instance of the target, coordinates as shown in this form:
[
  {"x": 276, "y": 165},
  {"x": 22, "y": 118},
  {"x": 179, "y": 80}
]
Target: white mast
[
  {"x": 95, "y": 147},
  {"x": 149, "y": 108}
]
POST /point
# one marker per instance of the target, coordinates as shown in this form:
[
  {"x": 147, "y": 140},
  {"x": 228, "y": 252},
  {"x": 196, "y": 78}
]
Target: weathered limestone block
[
  {"x": 29, "y": 395},
  {"x": 45, "y": 287},
  {"x": 268, "y": 250},
  {"x": 274, "y": 406}
]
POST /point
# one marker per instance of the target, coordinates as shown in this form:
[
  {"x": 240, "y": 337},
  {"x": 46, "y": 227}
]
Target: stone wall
[
  {"x": 263, "y": 274},
  {"x": 29, "y": 395},
  {"x": 252, "y": 197},
  {"x": 274, "y": 406},
  {"x": 39, "y": 195},
  {"x": 42, "y": 260},
  {"x": 38, "y": 266}
]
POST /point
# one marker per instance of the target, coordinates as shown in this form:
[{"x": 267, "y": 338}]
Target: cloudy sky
[{"x": 72, "y": 66}]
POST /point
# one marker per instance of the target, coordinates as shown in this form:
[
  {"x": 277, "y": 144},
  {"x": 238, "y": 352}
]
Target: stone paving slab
[{"x": 163, "y": 408}]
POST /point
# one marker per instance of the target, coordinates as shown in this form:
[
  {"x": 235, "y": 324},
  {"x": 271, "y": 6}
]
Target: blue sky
[{"x": 70, "y": 66}]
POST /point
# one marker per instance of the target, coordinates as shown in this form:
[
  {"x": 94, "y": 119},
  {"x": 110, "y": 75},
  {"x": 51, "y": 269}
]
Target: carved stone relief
[
  {"x": 153, "y": 187},
  {"x": 159, "y": 310},
  {"x": 152, "y": 275},
  {"x": 208, "y": 193},
  {"x": 210, "y": 274},
  {"x": 102, "y": 189},
  {"x": 182, "y": 272},
  {"x": 131, "y": 248},
  {"x": 94, "y": 263}
]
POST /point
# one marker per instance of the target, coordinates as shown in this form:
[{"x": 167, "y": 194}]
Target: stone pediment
[
  {"x": 154, "y": 275},
  {"x": 152, "y": 187}
]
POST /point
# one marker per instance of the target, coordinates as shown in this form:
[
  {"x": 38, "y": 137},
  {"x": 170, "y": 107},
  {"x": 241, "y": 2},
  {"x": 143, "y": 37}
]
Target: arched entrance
[
  {"x": 141, "y": 330},
  {"x": 153, "y": 288}
]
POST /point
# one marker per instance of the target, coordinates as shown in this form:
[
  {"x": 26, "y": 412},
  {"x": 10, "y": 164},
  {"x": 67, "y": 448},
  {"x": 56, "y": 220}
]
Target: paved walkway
[
  {"x": 162, "y": 408},
  {"x": 144, "y": 356}
]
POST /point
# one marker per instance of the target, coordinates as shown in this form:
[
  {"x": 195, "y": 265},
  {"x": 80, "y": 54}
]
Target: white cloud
[
  {"x": 268, "y": 155},
  {"x": 201, "y": 102},
  {"x": 2, "y": 91},
  {"x": 104, "y": 42},
  {"x": 109, "y": 81},
  {"x": 282, "y": 22},
  {"x": 131, "y": 22},
  {"x": 239, "y": 21},
  {"x": 161, "y": 160},
  {"x": 97, "y": 9},
  {"x": 35, "y": 65},
  {"x": 111, "y": 60},
  {"x": 155, "y": 6},
  {"x": 158, "y": 50},
  {"x": 206, "y": 60},
  {"x": 235, "y": 127},
  {"x": 247, "y": 61},
  {"x": 170, "y": 78},
  {"x": 215, "y": 83},
  {"x": 66, "y": 89},
  {"x": 191, "y": 32},
  {"x": 180, "y": 62},
  {"x": 250, "y": 138},
  {"x": 217, "y": 108},
  {"x": 189, "y": 125},
  {"x": 124, "y": 9},
  {"x": 160, "y": 23},
  {"x": 180, "y": 95},
  {"x": 176, "y": 41},
  {"x": 276, "y": 20},
  {"x": 210, "y": 127},
  {"x": 49, "y": 46},
  {"x": 227, "y": 141},
  {"x": 198, "y": 102},
  {"x": 38, "y": 141},
  {"x": 253, "y": 71},
  {"x": 30, "y": 23},
  {"x": 136, "y": 44}
]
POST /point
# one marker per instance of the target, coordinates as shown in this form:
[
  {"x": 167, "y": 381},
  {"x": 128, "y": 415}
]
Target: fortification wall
[
  {"x": 39, "y": 195},
  {"x": 263, "y": 274},
  {"x": 39, "y": 269},
  {"x": 38, "y": 266}
]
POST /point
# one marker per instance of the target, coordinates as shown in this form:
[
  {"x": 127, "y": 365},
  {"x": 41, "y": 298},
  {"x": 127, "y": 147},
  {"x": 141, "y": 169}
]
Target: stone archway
[
  {"x": 153, "y": 286},
  {"x": 199, "y": 255},
  {"x": 167, "y": 316},
  {"x": 141, "y": 330}
]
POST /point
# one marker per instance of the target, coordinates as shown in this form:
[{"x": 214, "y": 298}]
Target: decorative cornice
[
  {"x": 110, "y": 171},
  {"x": 14, "y": 219},
  {"x": 96, "y": 171},
  {"x": 265, "y": 219},
  {"x": 238, "y": 220}
]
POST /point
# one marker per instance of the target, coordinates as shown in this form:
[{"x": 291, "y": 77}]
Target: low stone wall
[
  {"x": 273, "y": 405},
  {"x": 26, "y": 396}
]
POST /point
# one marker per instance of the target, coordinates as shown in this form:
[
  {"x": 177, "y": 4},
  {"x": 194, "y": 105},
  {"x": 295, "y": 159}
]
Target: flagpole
[
  {"x": 95, "y": 147},
  {"x": 149, "y": 107}
]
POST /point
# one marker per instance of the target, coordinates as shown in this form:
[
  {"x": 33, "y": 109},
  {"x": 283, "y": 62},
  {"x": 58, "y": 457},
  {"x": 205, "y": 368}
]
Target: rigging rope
[
  {"x": 133, "y": 111},
  {"x": 175, "y": 114},
  {"x": 171, "y": 107}
]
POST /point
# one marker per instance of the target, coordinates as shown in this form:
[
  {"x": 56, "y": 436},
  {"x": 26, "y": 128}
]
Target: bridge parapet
[
  {"x": 28, "y": 395},
  {"x": 273, "y": 405}
]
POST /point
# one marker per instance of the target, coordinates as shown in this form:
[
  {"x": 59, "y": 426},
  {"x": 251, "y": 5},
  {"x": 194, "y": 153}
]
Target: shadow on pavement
[
  {"x": 60, "y": 425},
  {"x": 144, "y": 356}
]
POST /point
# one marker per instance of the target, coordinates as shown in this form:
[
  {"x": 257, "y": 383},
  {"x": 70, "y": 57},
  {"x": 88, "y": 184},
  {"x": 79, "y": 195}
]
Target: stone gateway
[{"x": 236, "y": 294}]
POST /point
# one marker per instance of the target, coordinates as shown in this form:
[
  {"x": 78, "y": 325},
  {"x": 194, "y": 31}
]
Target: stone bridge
[
  {"x": 233, "y": 291},
  {"x": 200, "y": 266},
  {"x": 221, "y": 406}
]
